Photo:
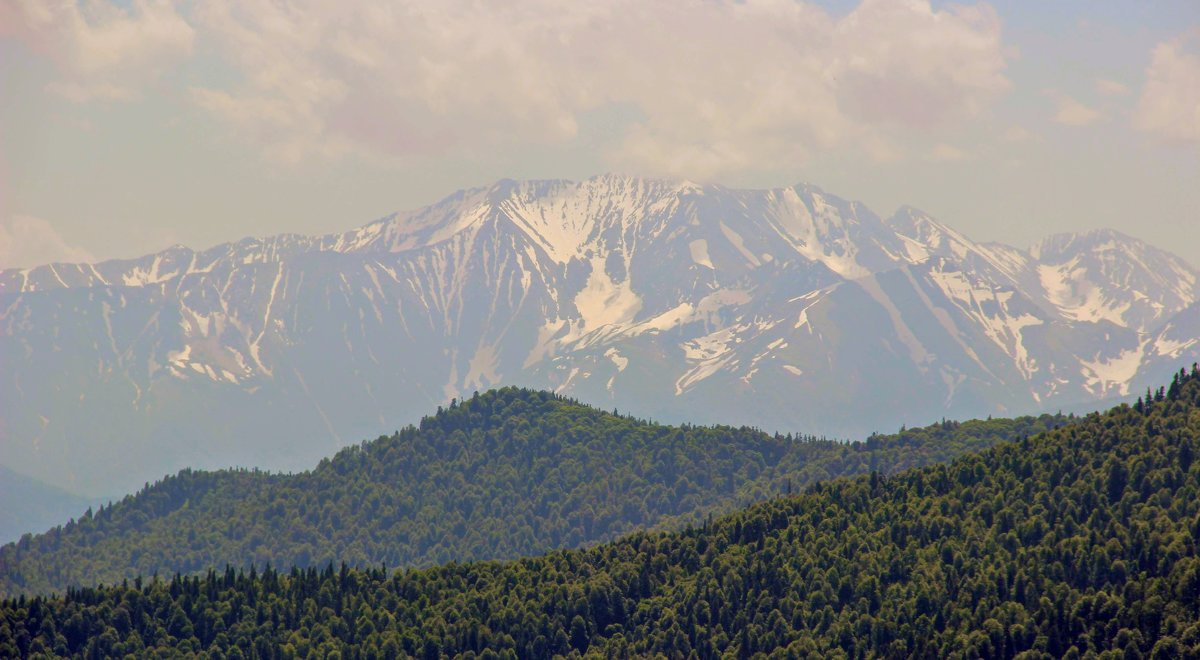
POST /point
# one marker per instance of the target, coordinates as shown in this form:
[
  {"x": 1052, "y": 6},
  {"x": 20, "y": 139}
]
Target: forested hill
[
  {"x": 504, "y": 474},
  {"x": 1078, "y": 542}
]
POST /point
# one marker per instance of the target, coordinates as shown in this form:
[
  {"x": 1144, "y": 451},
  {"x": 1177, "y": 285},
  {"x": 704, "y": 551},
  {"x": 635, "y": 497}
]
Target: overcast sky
[{"x": 128, "y": 126}]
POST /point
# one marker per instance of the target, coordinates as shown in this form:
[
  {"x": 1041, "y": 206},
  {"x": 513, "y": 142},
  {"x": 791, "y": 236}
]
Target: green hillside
[
  {"x": 504, "y": 474},
  {"x": 1079, "y": 542}
]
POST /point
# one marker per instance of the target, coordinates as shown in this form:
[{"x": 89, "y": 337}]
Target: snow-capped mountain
[
  {"x": 1104, "y": 275},
  {"x": 789, "y": 309}
]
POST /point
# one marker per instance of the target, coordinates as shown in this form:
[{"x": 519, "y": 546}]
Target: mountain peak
[
  {"x": 1066, "y": 242},
  {"x": 924, "y": 233},
  {"x": 561, "y": 216},
  {"x": 1103, "y": 274}
]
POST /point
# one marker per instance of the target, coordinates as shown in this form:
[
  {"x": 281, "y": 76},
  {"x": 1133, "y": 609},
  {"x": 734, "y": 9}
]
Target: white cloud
[
  {"x": 1108, "y": 87},
  {"x": 717, "y": 86},
  {"x": 1169, "y": 106},
  {"x": 28, "y": 241},
  {"x": 711, "y": 86},
  {"x": 1017, "y": 134},
  {"x": 102, "y": 51},
  {"x": 1073, "y": 113},
  {"x": 946, "y": 153},
  {"x": 901, "y": 62}
]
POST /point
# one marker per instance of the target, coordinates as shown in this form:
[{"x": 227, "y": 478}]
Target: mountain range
[{"x": 790, "y": 309}]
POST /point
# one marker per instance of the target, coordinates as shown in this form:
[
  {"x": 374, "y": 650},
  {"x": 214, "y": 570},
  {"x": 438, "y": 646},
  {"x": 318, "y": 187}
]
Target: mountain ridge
[
  {"x": 671, "y": 299},
  {"x": 499, "y": 475}
]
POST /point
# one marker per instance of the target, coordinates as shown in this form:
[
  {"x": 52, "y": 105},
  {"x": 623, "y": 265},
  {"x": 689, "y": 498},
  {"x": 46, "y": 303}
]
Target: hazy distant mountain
[
  {"x": 789, "y": 309},
  {"x": 34, "y": 506}
]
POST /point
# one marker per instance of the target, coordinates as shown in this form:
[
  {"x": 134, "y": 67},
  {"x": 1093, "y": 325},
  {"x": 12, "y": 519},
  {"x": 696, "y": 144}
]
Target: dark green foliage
[
  {"x": 1024, "y": 550},
  {"x": 504, "y": 474}
]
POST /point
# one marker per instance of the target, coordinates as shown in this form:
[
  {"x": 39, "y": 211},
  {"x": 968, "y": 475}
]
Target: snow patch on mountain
[
  {"x": 707, "y": 354},
  {"x": 1112, "y": 375},
  {"x": 699, "y": 250},
  {"x": 603, "y": 301},
  {"x": 1173, "y": 348}
]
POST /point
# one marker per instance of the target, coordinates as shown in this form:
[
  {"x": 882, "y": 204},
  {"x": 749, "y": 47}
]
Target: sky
[{"x": 127, "y": 126}]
